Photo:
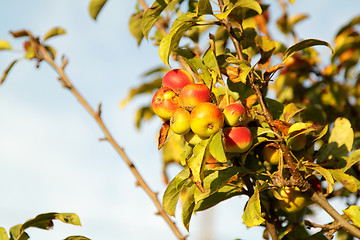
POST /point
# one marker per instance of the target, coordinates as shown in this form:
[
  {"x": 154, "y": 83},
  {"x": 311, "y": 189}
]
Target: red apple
[
  {"x": 315, "y": 183},
  {"x": 237, "y": 139},
  {"x": 193, "y": 94},
  {"x": 176, "y": 79},
  {"x": 206, "y": 119},
  {"x": 164, "y": 103},
  {"x": 180, "y": 121},
  {"x": 235, "y": 114}
]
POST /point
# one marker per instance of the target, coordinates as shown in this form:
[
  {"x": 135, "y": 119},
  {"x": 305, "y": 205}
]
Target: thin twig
[{"x": 97, "y": 116}]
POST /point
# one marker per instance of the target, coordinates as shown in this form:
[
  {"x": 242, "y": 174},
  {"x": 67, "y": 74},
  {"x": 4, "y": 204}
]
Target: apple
[
  {"x": 315, "y": 183},
  {"x": 176, "y": 79},
  {"x": 193, "y": 94},
  {"x": 297, "y": 143},
  {"x": 293, "y": 200},
  {"x": 237, "y": 139},
  {"x": 192, "y": 138},
  {"x": 164, "y": 103},
  {"x": 235, "y": 114},
  {"x": 272, "y": 153},
  {"x": 180, "y": 121},
  {"x": 206, "y": 119}
]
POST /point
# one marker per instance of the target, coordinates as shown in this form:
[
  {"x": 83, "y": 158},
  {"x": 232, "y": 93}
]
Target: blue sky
[{"x": 51, "y": 159}]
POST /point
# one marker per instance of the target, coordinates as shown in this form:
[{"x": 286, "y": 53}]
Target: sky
[{"x": 50, "y": 154}]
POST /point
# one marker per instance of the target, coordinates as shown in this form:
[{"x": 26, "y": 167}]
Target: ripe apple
[
  {"x": 193, "y": 94},
  {"x": 237, "y": 139},
  {"x": 164, "y": 103},
  {"x": 180, "y": 121},
  {"x": 176, "y": 79},
  {"x": 272, "y": 153},
  {"x": 235, "y": 114},
  {"x": 293, "y": 200},
  {"x": 315, "y": 183},
  {"x": 206, "y": 119},
  {"x": 192, "y": 138},
  {"x": 297, "y": 143}
]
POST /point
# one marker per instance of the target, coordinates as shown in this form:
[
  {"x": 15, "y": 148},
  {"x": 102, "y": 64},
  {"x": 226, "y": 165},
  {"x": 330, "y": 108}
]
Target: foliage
[
  {"x": 42, "y": 221},
  {"x": 294, "y": 103}
]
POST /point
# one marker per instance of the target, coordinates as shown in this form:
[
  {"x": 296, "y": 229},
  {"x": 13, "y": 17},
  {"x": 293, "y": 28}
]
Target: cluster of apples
[{"x": 193, "y": 112}]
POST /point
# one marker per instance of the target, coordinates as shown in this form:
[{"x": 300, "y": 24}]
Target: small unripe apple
[
  {"x": 272, "y": 154},
  {"x": 180, "y": 121},
  {"x": 164, "y": 103},
  {"x": 293, "y": 200},
  {"x": 193, "y": 94},
  {"x": 297, "y": 143},
  {"x": 176, "y": 79},
  {"x": 192, "y": 138},
  {"x": 235, "y": 114},
  {"x": 237, "y": 139},
  {"x": 206, "y": 119}
]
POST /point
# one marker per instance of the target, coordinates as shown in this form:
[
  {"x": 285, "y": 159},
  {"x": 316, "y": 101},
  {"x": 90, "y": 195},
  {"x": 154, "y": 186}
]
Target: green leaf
[
  {"x": 77, "y": 238},
  {"x": 326, "y": 174},
  {"x": 304, "y": 44},
  {"x": 188, "y": 206},
  {"x": 7, "y": 70},
  {"x": 353, "y": 213},
  {"x": 203, "y": 7},
  {"x": 196, "y": 163},
  {"x": 5, "y": 45},
  {"x": 95, "y": 7},
  {"x": 354, "y": 158},
  {"x": 18, "y": 233},
  {"x": 215, "y": 180},
  {"x": 222, "y": 194},
  {"x": 44, "y": 221},
  {"x": 216, "y": 148},
  {"x": 250, "y": 4},
  {"x": 186, "y": 154},
  {"x": 171, "y": 41},
  {"x": 348, "y": 181},
  {"x": 173, "y": 190},
  {"x": 135, "y": 26},
  {"x": 3, "y": 234},
  {"x": 151, "y": 15},
  {"x": 70, "y": 218},
  {"x": 267, "y": 48},
  {"x": 54, "y": 32},
  {"x": 196, "y": 65},
  {"x": 290, "y": 111},
  {"x": 343, "y": 136},
  {"x": 210, "y": 61},
  {"x": 252, "y": 213}
]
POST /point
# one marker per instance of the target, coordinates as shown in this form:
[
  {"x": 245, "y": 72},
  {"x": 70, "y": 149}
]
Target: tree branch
[{"x": 44, "y": 55}]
